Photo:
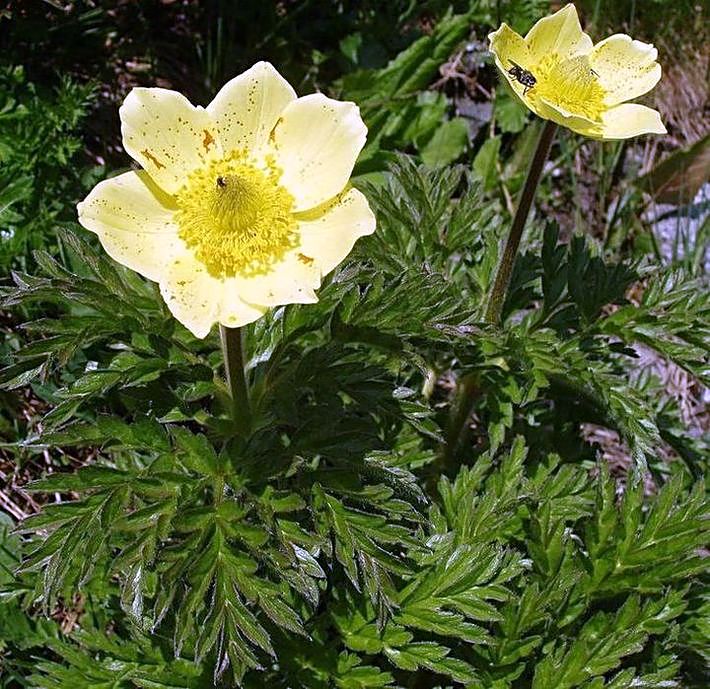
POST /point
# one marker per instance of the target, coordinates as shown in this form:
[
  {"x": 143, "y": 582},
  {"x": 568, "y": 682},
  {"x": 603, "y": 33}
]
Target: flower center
[
  {"x": 570, "y": 84},
  {"x": 236, "y": 217}
]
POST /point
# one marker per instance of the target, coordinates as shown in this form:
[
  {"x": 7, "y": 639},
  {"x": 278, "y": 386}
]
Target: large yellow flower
[
  {"x": 577, "y": 84},
  {"x": 240, "y": 206}
]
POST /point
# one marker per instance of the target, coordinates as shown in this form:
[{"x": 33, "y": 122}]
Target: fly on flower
[
  {"x": 239, "y": 206},
  {"x": 562, "y": 76},
  {"x": 526, "y": 78}
]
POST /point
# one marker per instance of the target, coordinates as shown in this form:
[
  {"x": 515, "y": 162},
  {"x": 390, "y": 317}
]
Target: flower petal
[
  {"x": 576, "y": 122},
  {"x": 316, "y": 143},
  {"x": 559, "y": 33},
  {"x": 233, "y": 311},
  {"x": 192, "y": 294},
  {"x": 134, "y": 221},
  {"x": 330, "y": 236},
  {"x": 627, "y": 69},
  {"x": 509, "y": 48},
  {"x": 630, "y": 119},
  {"x": 247, "y": 108},
  {"x": 199, "y": 300},
  {"x": 167, "y": 135},
  {"x": 291, "y": 281}
]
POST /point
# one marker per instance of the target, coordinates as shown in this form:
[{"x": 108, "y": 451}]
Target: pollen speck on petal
[
  {"x": 145, "y": 152},
  {"x": 208, "y": 140}
]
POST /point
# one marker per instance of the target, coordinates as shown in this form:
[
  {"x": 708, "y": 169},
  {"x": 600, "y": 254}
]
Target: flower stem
[
  {"x": 505, "y": 267},
  {"x": 467, "y": 391},
  {"x": 233, "y": 352}
]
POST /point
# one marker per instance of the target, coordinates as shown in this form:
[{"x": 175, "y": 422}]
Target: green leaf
[
  {"x": 198, "y": 453},
  {"x": 13, "y": 192},
  {"x": 603, "y": 641},
  {"x": 485, "y": 164},
  {"x": 449, "y": 142},
  {"x": 511, "y": 115},
  {"x": 430, "y": 655}
]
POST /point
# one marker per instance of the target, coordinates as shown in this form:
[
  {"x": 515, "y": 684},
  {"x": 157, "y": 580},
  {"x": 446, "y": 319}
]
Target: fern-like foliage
[
  {"x": 370, "y": 528},
  {"x": 40, "y": 161}
]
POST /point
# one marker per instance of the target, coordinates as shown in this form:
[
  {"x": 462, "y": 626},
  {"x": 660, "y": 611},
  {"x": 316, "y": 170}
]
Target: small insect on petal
[
  {"x": 524, "y": 76},
  {"x": 568, "y": 79}
]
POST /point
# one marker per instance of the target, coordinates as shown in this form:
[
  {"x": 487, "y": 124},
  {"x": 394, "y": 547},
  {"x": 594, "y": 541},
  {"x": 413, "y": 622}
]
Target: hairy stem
[
  {"x": 233, "y": 352},
  {"x": 505, "y": 267},
  {"x": 467, "y": 391}
]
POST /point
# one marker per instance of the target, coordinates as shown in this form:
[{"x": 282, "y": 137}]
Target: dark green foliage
[
  {"x": 361, "y": 551},
  {"x": 394, "y": 112},
  {"x": 98, "y": 661},
  {"x": 41, "y": 171},
  {"x": 412, "y": 504}
]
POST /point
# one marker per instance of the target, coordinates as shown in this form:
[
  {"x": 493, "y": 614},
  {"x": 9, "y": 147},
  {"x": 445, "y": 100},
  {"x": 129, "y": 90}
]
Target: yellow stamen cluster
[
  {"x": 571, "y": 84},
  {"x": 236, "y": 216}
]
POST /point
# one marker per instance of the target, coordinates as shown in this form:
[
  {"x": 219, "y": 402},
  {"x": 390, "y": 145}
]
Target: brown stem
[{"x": 505, "y": 267}]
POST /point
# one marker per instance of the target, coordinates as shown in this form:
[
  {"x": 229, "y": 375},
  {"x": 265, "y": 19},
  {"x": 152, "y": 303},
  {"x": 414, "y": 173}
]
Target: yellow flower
[
  {"x": 240, "y": 206},
  {"x": 562, "y": 76}
]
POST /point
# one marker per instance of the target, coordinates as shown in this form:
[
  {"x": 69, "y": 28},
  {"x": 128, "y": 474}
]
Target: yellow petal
[
  {"x": 167, "y": 135},
  {"x": 233, "y": 312},
  {"x": 134, "y": 221},
  {"x": 199, "y": 300},
  {"x": 316, "y": 143},
  {"x": 247, "y": 108},
  {"x": 570, "y": 86},
  {"x": 330, "y": 236},
  {"x": 627, "y": 69},
  {"x": 192, "y": 294},
  {"x": 576, "y": 122},
  {"x": 559, "y": 33},
  {"x": 509, "y": 48},
  {"x": 630, "y": 119},
  {"x": 291, "y": 281}
]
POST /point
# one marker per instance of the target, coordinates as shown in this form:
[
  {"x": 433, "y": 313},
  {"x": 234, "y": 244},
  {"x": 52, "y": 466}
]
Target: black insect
[
  {"x": 526, "y": 78},
  {"x": 221, "y": 182}
]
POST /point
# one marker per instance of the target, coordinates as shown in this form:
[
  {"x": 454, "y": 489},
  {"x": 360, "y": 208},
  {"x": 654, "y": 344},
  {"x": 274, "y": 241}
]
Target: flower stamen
[
  {"x": 236, "y": 216},
  {"x": 571, "y": 85}
]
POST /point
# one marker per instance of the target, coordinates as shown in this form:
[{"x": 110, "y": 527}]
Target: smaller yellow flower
[
  {"x": 562, "y": 76},
  {"x": 240, "y": 206}
]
